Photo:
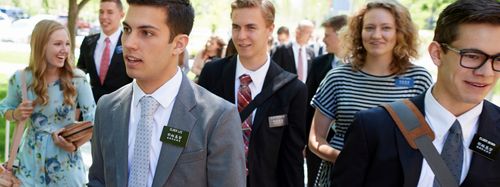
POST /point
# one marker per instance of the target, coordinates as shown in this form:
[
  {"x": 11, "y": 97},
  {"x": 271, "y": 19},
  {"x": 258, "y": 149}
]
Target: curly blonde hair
[
  {"x": 406, "y": 37},
  {"x": 38, "y": 65}
]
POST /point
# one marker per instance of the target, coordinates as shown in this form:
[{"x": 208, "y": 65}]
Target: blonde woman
[{"x": 54, "y": 88}]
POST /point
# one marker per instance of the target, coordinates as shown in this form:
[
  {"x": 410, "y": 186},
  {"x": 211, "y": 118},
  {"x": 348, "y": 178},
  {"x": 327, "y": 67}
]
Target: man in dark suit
[
  {"x": 296, "y": 57},
  {"x": 319, "y": 67},
  {"x": 101, "y": 55},
  {"x": 162, "y": 129},
  {"x": 274, "y": 132},
  {"x": 466, "y": 51}
]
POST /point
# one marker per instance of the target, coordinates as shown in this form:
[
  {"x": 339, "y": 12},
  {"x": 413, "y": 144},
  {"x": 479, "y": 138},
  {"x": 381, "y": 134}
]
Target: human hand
[
  {"x": 23, "y": 111},
  {"x": 63, "y": 143}
]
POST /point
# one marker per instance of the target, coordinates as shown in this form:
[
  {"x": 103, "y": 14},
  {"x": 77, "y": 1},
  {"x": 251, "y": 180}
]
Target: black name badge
[
  {"x": 484, "y": 147},
  {"x": 174, "y": 136}
]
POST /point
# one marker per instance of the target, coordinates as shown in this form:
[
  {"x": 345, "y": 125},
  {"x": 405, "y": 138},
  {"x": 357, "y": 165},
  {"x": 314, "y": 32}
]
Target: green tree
[{"x": 73, "y": 11}]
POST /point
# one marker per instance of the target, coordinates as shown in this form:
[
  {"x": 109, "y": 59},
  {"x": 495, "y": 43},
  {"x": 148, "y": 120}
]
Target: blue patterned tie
[
  {"x": 139, "y": 172},
  {"x": 453, "y": 152}
]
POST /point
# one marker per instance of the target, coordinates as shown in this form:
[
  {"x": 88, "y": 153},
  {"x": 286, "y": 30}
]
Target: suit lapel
[
  {"x": 292, "y": 59},
  {"x": 120, "y": 117},
  {"x": 487, "y": 128},
  {"x": 411, "y": 159},
  {"x": 116, "y": 58},
  {"x": 93, "y": 43},
  {"x": 229, "y": 71},
  {"x": 180, "y": 118}
]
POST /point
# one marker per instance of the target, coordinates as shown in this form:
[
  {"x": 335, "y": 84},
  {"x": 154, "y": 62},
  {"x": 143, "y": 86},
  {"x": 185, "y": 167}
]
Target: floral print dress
[{"x": 39, "y": 161}]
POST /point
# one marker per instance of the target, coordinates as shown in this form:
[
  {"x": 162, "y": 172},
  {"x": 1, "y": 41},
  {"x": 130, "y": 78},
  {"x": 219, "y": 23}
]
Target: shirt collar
[
  {"x": 113, "y": 37},
  {"x": 441, "y": 119},
  {"x": 165, "y": 95},
  {"x": 296, "y": 45},
  {"x": 257, "y": 76}
]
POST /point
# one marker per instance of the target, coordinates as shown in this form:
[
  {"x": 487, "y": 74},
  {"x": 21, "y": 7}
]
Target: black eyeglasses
[{"x": 474, "y": 58}]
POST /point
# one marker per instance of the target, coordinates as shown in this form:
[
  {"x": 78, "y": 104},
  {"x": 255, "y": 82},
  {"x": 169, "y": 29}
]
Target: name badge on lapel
[
  {"x": 174, "y": 136},
  {"x": 119, "y": 49},
  {"x": 484, "y": 147},
  {"x": 278, "y": 121},
  {"x": 404, "y": 82}
]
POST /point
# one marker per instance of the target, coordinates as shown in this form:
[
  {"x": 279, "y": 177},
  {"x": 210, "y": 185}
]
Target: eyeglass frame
[{"x": 461, "y": 52}]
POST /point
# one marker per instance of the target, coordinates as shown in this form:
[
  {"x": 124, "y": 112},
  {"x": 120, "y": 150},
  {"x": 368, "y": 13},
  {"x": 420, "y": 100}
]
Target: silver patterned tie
[
  {"x": 453, "y": 152},
  {"x": 139, "y": 171}
]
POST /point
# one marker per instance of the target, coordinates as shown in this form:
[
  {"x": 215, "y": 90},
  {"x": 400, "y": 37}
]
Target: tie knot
[
  {"x": 107, "y": 40},
  {"x": 245, "y": 79},
  {"x": 456, "y": 128},
  {"x": 148, "y": 105}
]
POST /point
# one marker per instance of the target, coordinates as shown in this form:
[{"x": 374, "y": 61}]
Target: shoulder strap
[
  {"x": 18, "y": 131},
  {"x": 281, "y": 80},
  {"x": 419, "y": 135}
]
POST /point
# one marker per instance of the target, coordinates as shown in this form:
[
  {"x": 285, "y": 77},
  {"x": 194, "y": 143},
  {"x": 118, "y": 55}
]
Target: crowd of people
[{"x": 256, "y": 109}]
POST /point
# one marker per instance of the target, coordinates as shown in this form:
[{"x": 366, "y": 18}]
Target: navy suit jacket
[
  {"x": 116, "y": 77},
  {"x": 376, "y": 153},
  {"x": 275, "y": 153}
]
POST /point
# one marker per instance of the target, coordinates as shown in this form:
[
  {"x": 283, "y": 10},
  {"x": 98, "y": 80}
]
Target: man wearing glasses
[{"x": 466, "y": 51}]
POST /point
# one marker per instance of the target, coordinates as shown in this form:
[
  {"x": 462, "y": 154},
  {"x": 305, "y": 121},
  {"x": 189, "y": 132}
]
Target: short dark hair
[
  {"x": 180, "y": 14},
  {"x": 283, "y": 30},
  {"x": 335, "y": 22},
  {"x": 118, "y": 3},
  {"x": 463, "y": 12}
]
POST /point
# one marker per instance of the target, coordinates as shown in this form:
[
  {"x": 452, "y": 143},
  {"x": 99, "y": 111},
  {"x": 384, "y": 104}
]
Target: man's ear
[
  {"x": 435, "y": 52},
  {"x": 180, "y": 42}
]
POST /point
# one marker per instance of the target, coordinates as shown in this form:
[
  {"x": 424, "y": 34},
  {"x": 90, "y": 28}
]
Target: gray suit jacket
[{"x": 213, "y": 155}]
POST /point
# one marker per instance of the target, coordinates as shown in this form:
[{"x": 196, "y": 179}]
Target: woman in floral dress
[{"x": 54, "y": 88}]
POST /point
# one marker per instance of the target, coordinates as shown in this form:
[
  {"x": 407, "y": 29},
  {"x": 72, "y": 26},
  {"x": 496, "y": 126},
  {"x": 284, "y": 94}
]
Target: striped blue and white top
[{"x": 343, "y": 92}]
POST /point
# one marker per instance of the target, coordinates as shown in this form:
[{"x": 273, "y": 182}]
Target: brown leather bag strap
[
  {"x": 419, "y": 135},
  {"x": 18, "y": 131}
]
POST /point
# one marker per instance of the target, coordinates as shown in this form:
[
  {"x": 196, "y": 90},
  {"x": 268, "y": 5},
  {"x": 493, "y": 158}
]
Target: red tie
[
  {"x": 300, "y": 70},
  {"x": 104, "y": 61},
  {"x": 244, "y": 97}
]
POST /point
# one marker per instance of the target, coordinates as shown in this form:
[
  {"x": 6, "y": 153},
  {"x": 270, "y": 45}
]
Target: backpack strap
[
  {"x": 18, "y": 131},
  {"x": 281, "y": 80},
  {"x": 419, "y": 135}
]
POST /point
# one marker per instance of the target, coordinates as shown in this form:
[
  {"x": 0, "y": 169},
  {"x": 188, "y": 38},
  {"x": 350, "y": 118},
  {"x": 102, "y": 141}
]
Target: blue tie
[{"x": 453, "y": 152}]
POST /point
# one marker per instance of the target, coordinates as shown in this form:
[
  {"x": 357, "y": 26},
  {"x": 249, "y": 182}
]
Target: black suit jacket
[
  {"x": 116, "y": 77},
  {"x": 376, "y": 153},
  {"x": 275, "y": 153},
  {"x": 283, "y": 56}
]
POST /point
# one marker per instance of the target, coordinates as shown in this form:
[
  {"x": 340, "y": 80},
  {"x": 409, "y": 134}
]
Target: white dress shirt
[
  {"x": 440, "y": 121},
  {"x": 295, "y": 47},
  {"x": 99, "y": 48},
  {"x": 257, "y": 76},
  {"x": 165, "y": 95}
]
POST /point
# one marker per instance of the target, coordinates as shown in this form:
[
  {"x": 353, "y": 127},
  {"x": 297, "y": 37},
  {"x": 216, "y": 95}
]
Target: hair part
[
  {"x": 266, "y": 7},
  {"x": 179, "y": 14},
  {"x": 118, "y": 3},
  {"x": 38, "y": 64},
  {"x": 465, "y": 12},
  {"x": 406, "y": 36},
  {"x": 336, "y": 22}
]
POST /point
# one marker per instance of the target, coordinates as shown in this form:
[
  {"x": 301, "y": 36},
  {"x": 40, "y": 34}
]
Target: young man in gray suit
[{"x": 163, "y": 130}]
